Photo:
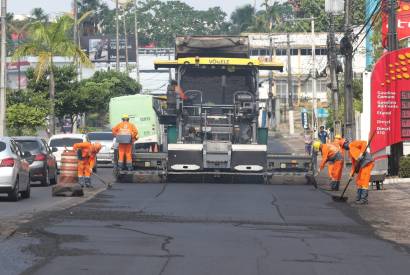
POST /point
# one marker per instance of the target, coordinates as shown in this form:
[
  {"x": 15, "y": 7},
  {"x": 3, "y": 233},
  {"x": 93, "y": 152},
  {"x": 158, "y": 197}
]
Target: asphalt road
[{"x": 201, "y": 229}]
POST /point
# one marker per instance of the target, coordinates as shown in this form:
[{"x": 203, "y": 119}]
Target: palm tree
[
  {"x": 38, "y": 14},
  {"x": 47, "y": 41}
]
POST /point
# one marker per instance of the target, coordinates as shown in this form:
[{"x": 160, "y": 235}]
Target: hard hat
[
  {"x": 338, "y": 137},
  {"x": 125, "y": 116},
  {"x": 316, "y": 145}
]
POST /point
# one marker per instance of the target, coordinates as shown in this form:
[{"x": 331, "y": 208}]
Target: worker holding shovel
[
  {"x": 362, "y": 164},
  {"x": 332, "y": 156}
]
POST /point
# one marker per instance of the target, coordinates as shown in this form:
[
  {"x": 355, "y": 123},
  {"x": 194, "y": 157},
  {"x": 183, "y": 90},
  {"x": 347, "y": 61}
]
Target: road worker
[
  {"x": 179, "y": 91},
  {"x": 332, "y": 156},
  {"x": 362, "y": 164},
  {"x": 126, "y": 134},
  {"x": 95, "y": 148},
  {"x": 83, "y": 154}
]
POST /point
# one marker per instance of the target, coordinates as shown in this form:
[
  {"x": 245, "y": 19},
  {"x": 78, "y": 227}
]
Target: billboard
[
  {"x": 390, "y": 99},
  {"x": 103, "y": 48},
  {"x": 402, "y": 17}
]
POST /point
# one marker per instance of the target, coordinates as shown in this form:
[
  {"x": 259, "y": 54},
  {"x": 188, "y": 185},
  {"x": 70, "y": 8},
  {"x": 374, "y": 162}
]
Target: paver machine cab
[{"x": 215, "y": 129}]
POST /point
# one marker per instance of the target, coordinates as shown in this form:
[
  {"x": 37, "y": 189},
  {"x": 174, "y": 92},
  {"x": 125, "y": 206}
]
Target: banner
[
  {"x": 103, "y": 48},
  {"x": 390, "y": 99},
  {"x": 403, "y": 20}
]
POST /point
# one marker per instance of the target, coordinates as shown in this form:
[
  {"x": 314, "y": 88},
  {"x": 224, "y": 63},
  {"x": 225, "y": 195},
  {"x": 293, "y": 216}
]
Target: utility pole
[
  {"x": 136, "y": 40},
  {"x": 268, "y": 105},
  {"x": 332, "y": 56},
  {"x": 290, "y": 86},
  {"x": 346, "y": 44},
  {"x": 117, "y": 38},
  {"x": 126, "y": 40},
  {"x": 3, "y": 69},
  {"x": 75, "y": 32},
  {"x": 396, "y": 150},
  {"x": 314, "y": 94}
]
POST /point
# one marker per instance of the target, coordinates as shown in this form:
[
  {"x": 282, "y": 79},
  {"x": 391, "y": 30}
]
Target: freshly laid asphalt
[{"x": 194, "y": 228}]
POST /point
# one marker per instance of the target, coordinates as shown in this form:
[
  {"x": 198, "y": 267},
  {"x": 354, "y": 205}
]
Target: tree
[
  {"x": 242, "y": 18},
  {"x": 47, "y": 41},
  {"x": 23, "y": 119},
  {"x": 39, "y": 15}
]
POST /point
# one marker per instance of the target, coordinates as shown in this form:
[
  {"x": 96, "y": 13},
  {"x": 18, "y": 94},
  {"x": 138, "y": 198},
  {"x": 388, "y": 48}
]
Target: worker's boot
[
  {"x": 358, "y": 195},
  {"x": 129, "y": 167},
  {"x": 364, "y": 197},
  {"x": 88, "y": 182},
  {"x": 81, "y": 181},
  {"x": 336, "y": 186}
]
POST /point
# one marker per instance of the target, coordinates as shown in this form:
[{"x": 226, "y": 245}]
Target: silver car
[{"x": 14, "y": 170}]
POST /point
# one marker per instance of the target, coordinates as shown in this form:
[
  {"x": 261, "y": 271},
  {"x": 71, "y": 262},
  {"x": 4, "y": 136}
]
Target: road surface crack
[
  {"x": 274, "y": 204},
  {"x": 164, "y": 245}
]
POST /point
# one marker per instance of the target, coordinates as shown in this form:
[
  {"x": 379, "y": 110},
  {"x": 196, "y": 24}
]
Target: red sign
[
  {"x": 390, "y": 99},
  {"x": 403, "y": 21}
]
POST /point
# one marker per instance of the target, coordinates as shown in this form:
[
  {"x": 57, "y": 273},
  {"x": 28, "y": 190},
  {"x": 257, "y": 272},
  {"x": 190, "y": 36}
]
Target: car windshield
[
  {"x": 100, "y": 136},
  {"x": 28, "y": 145},
  {"x": 2, "y": 146},
  {"x": 64, "y": 142}
]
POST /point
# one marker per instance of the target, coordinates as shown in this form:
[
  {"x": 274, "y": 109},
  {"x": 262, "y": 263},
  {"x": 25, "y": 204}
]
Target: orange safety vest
[
  {"x": 330, "y": 152},
  {"x": 125, "y": 128},
  {"x": 85, "y": 147}
]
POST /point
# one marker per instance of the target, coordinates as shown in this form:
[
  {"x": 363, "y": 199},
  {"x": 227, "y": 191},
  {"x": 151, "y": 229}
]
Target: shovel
[{"x": 108, "y": 184}]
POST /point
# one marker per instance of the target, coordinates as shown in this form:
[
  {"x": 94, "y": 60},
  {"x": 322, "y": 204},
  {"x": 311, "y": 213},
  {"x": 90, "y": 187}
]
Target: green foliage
[
  {"x": 23, "y": 119},
  {"x": 99, "y": 89},
  {"x": 404, "y": 170},
  {"x": 357, "y": 88}
]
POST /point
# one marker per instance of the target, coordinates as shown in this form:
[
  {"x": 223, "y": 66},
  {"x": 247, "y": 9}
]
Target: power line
[{"x": 374, "y": 19}]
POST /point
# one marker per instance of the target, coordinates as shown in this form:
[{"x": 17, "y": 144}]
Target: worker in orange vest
[
  {"x": 126, "y": 134},
  {"x": 332, "y": 156},
  {"x": 95, "y": 148},
  {"x": 179, "y": 91},
  {"x": 362, "y": 164},
  {"x": 83, "y": 154}
]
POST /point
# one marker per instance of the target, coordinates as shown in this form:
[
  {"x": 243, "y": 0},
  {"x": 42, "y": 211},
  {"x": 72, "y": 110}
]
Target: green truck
[{"x": 140, "y": 110}]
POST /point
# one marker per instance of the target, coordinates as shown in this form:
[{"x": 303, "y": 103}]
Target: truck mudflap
[{"x": 286, "y": 169}]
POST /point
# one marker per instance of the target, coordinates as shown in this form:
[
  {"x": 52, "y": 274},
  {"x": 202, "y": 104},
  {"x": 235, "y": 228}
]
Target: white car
[
  {"x": 105, "y": 156},
  {"x": 64, "y": 141},
  {"x": 14, "y": 170}
]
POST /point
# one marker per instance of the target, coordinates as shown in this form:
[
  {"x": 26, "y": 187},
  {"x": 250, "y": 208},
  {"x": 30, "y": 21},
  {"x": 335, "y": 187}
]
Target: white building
[{"x": 302, "y": 62}]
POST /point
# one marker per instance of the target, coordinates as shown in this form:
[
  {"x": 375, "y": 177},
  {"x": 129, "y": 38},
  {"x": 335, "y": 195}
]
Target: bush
[{"x": 404, "y": 170}]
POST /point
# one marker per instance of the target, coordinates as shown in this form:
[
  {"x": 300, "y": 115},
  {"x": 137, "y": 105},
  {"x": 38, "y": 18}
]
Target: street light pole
[
  {"x": 117, "y": 38},
  {"x": 314, "y": 95},
  {"x": 3, "y": 69},
  {"x": 348, "y": 76},
  {"x": 137, "y": 63}
]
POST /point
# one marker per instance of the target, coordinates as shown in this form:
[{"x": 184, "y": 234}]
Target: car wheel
[
  {"x": 26, "y": 194},
  {"x": 55, "y": 178},
  {"x": 46, "y": 180},
  {"x": 14, "y": 195}
]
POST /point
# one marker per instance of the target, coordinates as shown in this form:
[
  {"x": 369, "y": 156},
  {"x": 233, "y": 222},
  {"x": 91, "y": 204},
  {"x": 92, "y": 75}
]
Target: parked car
[
  {"x": 63, "y": 141},
  {"x": 14, "y": 170},
  {"x": 43, "y": 167},
  {"x": 105, "y": 156}
]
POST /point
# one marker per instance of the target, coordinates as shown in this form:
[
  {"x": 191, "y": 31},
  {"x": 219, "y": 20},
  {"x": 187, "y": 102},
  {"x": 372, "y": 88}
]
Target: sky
[{"x": 59, "y": 6}]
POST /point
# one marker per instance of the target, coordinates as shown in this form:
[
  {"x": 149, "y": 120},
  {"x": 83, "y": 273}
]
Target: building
[{"x": 302, "y": 63}]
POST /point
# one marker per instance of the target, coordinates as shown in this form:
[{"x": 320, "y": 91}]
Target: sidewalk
[{"x": 388, "y": 211}]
